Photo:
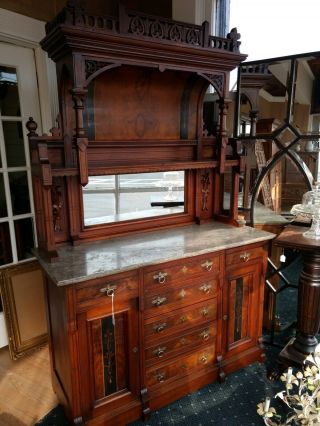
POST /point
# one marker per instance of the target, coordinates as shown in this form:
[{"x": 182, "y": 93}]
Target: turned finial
[{"x": 32, "y": 127}]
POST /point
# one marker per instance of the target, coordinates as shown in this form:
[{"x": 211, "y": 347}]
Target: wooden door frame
[{"x": 28, "y": 32}]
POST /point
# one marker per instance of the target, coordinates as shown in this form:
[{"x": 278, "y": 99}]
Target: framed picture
[{"x": 23, "y": 299}]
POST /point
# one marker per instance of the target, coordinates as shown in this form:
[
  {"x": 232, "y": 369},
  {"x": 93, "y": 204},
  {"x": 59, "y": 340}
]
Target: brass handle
[
  {"x": 160, "y": 351},
  {"x": 203, "y": 359},
  {"x": 205, "y": 288},
  {"x": 158, "y": 301},
  {"x": 183, "y": 341},
  {"x": 207, "y": 265},
  {"x": 183, "y": 318},
  {"x": 160, "y": 327},
  {"x": 161, "y": 377},
  {"x": 205, "y": 334},
  {"x": 245, "y": 256},
  {"x": 160, "y": 277},
  {"x": 109, "y": 290},
  {"x": 204, "y": 312}
]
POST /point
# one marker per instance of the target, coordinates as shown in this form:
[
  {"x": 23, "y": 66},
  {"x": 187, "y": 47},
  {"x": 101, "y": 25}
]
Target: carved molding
[
  {"x": 205, "y": 185},
  {"x": 56, "y": 198},
  {"x": 142, "y": 25}
]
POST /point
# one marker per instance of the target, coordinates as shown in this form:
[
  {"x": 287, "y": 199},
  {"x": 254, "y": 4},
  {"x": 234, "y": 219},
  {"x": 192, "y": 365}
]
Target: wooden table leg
[{"x": 308, "y": 320}]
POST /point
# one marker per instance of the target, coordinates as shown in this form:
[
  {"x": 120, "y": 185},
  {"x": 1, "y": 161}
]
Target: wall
[{"x": 46, "y": 10}]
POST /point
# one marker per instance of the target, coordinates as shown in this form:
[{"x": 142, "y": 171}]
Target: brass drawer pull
[
  {"x": 204, "y": 312},
  {"x": 160, "y": 277},
  {"x": 205, "y": 288},
  {"x": 205, "y": 335},
  {"x": 160, "y": 327},
  {"x": 204, "y": 358},
  {"x": 245, "y": 256},
  {"x": 109, "y": 290},
  {"x": 183, "y": 318},
  {"x": 161, "y": 377},
  {"x": 207, "y": 265},
  {"x": 158, "y": 301},
  {"x": 160, "y": 351}
]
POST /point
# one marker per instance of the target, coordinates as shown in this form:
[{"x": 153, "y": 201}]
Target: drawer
[
  {"x": 123, "y": 288},
  {"x": 180, "y": 367},
  {"x": 243, "y": 255},
  {"x": 180, "y": 320},
  {"x": 175, "y": 298},
  {"x": 168, "y": 273},
  {"x": 184, "y": 342}
]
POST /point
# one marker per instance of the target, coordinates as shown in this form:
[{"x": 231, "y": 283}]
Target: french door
[{"x": 19, "y": 100}]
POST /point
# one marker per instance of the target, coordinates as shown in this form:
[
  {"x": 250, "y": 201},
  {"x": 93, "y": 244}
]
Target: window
[{"x": 16, "y": 215}]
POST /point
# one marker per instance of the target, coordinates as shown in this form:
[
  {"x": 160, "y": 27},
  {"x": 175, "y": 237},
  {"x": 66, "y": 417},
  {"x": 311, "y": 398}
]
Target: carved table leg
[{"x": 308, "y": 312}]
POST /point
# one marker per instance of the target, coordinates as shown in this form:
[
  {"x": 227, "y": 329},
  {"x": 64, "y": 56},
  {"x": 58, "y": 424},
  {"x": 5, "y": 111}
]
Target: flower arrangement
[{"x": 301, "y": 395}]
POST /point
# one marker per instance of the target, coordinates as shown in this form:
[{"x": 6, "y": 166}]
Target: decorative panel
[
  {"x": 110, "y": 354},
  {"x": 238, "y": 308}
]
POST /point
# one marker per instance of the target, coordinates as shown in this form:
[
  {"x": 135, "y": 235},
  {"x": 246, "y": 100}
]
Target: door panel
[
  {"x": 241, "y": 302},
  {"x": 18, "y": 101}
]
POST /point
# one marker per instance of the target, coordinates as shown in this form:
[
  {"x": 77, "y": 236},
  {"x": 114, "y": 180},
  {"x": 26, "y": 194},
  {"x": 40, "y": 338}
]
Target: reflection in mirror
[
  {"x": 210, "y": 112},
  {"x": 227, "y": 190},
  {"x": 115, "y": 198},
  {"x": 281, "y": 188},
  {"x": 263, "y": 93}
]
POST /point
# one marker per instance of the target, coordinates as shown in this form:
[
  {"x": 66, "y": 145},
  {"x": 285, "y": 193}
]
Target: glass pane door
[{"x": 18, "y": 101}]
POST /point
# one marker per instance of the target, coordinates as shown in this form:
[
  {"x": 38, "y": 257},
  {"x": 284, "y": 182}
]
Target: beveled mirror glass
[{"x": 115, "y": 198}]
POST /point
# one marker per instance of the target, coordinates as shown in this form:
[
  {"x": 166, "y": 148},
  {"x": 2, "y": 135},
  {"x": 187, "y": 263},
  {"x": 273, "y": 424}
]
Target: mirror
[
  {"x": 279, "y": 122},
  {"x": 115, "y": 198}
]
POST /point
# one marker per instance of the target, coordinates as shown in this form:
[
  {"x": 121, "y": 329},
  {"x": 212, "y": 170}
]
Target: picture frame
[{"x": 23, "y": 299}]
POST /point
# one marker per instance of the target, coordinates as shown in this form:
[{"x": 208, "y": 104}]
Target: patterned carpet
[{"x": 232, "y": 403}]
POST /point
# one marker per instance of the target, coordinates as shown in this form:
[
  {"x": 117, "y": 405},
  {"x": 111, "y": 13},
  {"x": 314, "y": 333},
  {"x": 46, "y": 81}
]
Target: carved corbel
[{"x": 79, "y": 96}]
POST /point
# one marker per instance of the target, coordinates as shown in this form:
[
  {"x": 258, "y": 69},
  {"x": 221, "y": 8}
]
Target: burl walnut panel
[{"x": 131, "y": 103}]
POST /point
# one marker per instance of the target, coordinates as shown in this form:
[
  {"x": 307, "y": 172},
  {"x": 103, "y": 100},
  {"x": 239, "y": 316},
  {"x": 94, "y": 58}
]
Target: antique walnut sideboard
[{"x": 142, "y": 310}]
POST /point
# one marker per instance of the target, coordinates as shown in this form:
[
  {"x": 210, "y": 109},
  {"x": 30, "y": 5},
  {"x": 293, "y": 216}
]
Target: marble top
[{"x": 103, "y": 258}]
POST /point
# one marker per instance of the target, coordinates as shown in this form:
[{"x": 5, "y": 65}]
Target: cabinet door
[
  {"x": 242, "y": 308},
  {"x": 109, "y": 362}
]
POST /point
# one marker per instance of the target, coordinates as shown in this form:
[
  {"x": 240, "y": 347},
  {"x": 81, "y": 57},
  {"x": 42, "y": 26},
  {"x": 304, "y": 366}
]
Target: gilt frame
[{"x": 18, "y": 286}]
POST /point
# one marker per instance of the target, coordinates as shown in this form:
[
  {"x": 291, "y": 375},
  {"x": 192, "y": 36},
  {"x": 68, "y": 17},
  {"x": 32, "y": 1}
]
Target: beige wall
[{"x": 46, "y": 10}]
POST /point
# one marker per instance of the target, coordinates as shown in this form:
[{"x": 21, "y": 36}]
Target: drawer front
[
  {"x": 180, "y": 320},
  {"x": 181, "y": 367},
  {"x": 183, "y": 296},
  {"x": 244, "y": 255},
  {"x": 185, "y": 342},
  {"x": 161, "y": 277},
  {"x": 123, "y": 288}
]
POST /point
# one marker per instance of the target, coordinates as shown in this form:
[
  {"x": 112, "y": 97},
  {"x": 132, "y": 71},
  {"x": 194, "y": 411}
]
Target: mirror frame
[{"x": 18, "y": 346}]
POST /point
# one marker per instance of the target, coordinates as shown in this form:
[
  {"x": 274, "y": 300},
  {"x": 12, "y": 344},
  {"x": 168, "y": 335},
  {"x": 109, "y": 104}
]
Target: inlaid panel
[{"x": 110, "y": 356}]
